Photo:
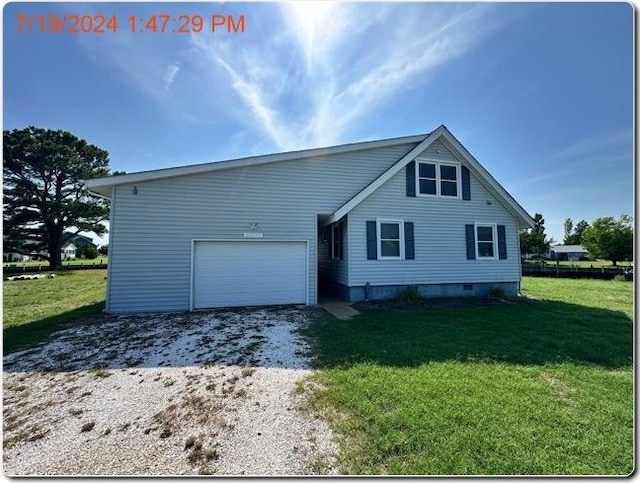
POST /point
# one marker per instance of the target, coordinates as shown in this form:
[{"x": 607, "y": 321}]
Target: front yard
[
  {"x": 34, "y": 309},
  {"x": 543, "y": 387}
]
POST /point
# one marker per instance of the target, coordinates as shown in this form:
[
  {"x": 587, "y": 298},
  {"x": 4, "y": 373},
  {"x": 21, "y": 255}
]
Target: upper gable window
[{"x": 438, "y": 179}]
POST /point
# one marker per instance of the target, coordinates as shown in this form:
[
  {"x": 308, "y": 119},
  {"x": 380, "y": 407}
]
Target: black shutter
[
  {"x": 411, "y": 178},
  {"x": 341, "y": 238},
  {"x": 502, "y": 243},
  {"x": 471, "y": 242},
  {"x": 409, "y": 250},
  {"x": 372, "y": 241},
  {"x": 466, "y": 183}
]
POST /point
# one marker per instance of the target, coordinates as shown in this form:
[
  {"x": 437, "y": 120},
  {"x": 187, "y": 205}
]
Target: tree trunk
[{"x": 55, "y": 245}]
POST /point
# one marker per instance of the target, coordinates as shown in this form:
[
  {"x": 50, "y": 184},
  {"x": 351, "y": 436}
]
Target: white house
[
  {"x": 567, "y": 252},
  {"x": 361, "y": 220},
  {"x": 68, "y": 251}
]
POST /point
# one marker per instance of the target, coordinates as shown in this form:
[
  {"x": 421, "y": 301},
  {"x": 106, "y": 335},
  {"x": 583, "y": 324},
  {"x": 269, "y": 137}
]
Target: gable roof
[
  {"x": 76, "y": 238},
  {"x": 568, "y": 249},
  {"x": 102, "y": 186},
  {"x": 441, "y": 133}
]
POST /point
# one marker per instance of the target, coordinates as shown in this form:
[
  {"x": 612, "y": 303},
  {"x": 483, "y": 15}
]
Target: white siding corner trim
[{"x": 232, "y": 273}]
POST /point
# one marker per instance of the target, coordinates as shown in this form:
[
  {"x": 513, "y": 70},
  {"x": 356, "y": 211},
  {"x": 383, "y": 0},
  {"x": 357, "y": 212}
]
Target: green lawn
[
  {"x": 542, "y": 388},
  {"x": 33, "y": 309}
]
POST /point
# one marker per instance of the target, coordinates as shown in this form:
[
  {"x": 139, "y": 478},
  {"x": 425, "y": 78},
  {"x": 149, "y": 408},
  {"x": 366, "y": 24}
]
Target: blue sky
[{"x": 540, "y": 93}]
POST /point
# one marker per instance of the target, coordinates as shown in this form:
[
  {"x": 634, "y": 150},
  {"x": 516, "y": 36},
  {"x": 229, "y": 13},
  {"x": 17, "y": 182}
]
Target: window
[
  {"x": 438, "y": 179},
  {"x": 486, "y": 241},
  {"x": 390, "y": 239},
  {"x": 427, "y": 179},
  {"x": 336, "y": 241}
]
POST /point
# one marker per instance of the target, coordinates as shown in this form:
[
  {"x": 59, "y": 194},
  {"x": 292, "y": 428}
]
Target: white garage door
[{"x": 233, "y": 274}]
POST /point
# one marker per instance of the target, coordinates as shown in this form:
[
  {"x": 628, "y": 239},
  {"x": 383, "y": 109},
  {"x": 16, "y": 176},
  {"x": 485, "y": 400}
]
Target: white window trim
[
  {"x": 379, "y": 221},
  {"x": 494, "y": 229},
  {"x": 438, "y": 164},
  {"x": 332, "y": 239}
]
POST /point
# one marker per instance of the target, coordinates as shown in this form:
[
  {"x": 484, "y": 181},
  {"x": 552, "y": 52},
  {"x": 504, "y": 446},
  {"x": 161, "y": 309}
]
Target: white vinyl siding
[
  {"x": 439, "y": 236},
  {"x": 152, "y": 230}
]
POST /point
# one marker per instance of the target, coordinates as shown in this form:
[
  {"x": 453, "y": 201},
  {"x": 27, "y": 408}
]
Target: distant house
[
  {"x": 71, "y": 242},
  {"x": 572, "y": 253},
  {"x": 68, "y": 251},
  {"x": 14, "y": 257}
]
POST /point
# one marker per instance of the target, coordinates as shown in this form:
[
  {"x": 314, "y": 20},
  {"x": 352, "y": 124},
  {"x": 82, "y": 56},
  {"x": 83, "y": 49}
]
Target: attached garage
[{"x": 248, "y": 272}]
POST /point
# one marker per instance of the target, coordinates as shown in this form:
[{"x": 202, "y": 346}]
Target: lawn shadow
[
  {"x": 532, "y": 332},
  {"x": 28, "y": 335}
]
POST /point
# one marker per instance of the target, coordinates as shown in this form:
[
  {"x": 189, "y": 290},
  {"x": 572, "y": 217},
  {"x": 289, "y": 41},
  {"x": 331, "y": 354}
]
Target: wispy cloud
[
  {"x": 351, "y": 58},
  {"x": 578, "y": 150},
  {"x": 597, "y": 151},
  {"x": 304, "y": 73},
  {"x": 169, "y": 75}
]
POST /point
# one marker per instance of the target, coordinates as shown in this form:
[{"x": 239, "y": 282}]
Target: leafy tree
[
  {"x": 568, "y": 228},
  {"x": 90, "y": 252},
  {"x": 575, "y": 237},
  {"x": 578, "y": 231},
  {"x": 534, "y": 241},
  {"x": 44, "y": 192},
  {"x": 104, "y": 250},
  {"x": 610, "y": 239},
  {"x": 86, "y": 251}
]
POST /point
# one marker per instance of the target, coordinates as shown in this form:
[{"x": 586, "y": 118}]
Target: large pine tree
[{"x": 44, "y": 192}]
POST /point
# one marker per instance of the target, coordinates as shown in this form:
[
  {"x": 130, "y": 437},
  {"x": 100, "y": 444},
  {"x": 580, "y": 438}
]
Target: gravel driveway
[{"x": 193, "y": 393}]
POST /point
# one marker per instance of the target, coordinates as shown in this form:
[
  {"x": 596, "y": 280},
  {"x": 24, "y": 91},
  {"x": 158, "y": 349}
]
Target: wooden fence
[
  {"x": 549, "y": 270},
  {"x": 17, "y": 268}
]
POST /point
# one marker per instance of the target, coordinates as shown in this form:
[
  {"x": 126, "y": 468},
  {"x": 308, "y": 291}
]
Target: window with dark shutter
[
  {"x": 471, "y": 241},
  {"x": 372, "y": 241},
  {"x": 336, "y": 241},
  {"x": 409, "y": 246},
  {"x": 502, "y": 242},
  {"x": 437, "y": 178},
  {"x": 411, "y": 178},
  {"x": 466, "y": 183}
]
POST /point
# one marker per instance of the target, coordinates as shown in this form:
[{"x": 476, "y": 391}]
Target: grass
[
  {"x": 538, "y": 388},
  {"x": 33, "y": 309}
]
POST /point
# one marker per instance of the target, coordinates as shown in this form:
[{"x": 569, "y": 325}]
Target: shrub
[
  {"x": 91, "y": 252},
  {"x": 410, "y": 295},
  {"x": 497, "y": 292}
]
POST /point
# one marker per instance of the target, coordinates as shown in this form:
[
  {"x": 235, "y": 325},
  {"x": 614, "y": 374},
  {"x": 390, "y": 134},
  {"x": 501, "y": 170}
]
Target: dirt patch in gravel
[{"x": 196, "y": 393}]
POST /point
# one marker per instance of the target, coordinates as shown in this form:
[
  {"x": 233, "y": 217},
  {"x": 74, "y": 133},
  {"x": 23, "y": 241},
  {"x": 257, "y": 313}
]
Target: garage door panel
[{"x": 231, "y": 274}]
